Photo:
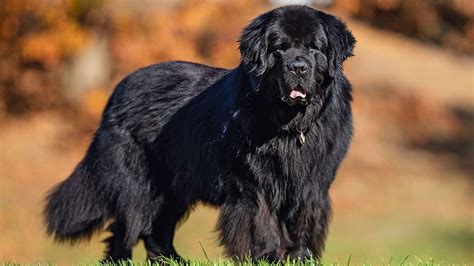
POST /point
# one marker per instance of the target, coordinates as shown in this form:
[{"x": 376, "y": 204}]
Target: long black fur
[{"x": 178, "y": 133}]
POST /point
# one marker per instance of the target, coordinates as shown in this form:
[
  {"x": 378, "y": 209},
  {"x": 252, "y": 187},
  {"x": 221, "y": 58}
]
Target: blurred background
[{"x": 406, "y": 187}]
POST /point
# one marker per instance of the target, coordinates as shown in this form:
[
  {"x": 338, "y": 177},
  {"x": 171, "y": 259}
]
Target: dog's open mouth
[{"x": 297, "y": 92}]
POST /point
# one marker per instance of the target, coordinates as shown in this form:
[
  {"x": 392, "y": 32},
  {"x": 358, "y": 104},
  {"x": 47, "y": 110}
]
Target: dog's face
[
  {"x": 293, "y": 51},
  {"x": 296, "y": 59}
]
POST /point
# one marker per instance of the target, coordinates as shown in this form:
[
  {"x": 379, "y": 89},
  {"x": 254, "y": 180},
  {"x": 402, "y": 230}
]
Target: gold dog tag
[{"x": 301, "y": 138}]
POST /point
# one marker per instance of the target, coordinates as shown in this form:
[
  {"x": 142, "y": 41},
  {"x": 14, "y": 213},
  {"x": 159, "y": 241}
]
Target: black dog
[{"x": 263, "y": 141}]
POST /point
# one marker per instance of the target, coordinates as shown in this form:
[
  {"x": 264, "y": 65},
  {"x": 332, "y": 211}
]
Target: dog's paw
[
  {"x": 273, "y": 256},
  {"x": 301, "y": 253}
]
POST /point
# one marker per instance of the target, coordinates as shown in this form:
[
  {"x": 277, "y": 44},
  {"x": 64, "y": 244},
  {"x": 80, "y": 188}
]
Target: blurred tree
[
  {"x": 36, "y": 39},
  {"x": 449, "y": 23}
]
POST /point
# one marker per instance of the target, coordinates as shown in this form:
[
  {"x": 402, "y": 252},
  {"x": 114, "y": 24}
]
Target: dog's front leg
[
  {"x": 249, "y": 229},
  {"x": 310, "y": 228}
]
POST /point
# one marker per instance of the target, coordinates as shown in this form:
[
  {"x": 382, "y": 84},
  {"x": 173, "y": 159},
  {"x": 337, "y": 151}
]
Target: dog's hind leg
[
  {"x": 122, "y": 171},
  {"x": 160, "y": 241},
  {"x": 116, "y": 246}
]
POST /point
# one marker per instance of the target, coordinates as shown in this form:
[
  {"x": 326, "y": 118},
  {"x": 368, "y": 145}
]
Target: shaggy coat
[{"x": 262, "y": 141}]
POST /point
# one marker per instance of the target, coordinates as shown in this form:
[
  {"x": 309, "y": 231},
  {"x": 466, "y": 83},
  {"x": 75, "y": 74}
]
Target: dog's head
[{"x": 294, "y": 50}]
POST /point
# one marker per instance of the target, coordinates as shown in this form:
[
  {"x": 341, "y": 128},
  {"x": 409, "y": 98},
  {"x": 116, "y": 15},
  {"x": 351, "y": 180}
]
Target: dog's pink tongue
[{"x": 295, "y": 94}]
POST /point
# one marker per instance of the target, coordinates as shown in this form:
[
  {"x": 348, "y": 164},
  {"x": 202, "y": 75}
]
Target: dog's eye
[
  {"x": 277, "y": 51},
  {"x": 281, "y": 47}
]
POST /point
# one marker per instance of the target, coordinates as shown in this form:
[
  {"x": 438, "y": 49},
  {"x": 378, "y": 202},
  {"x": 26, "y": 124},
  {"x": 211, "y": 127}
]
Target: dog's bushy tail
[{"x": 74, "y": 209}]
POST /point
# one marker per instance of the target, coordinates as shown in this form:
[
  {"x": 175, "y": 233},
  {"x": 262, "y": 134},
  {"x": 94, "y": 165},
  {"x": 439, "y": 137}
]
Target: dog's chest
[
  {"x": 281, "y": 169},
  {"x": 291, "y": 157}
]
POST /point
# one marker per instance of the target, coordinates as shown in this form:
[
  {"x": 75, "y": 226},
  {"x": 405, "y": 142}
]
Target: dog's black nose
[{"x": 299, "y": 66}]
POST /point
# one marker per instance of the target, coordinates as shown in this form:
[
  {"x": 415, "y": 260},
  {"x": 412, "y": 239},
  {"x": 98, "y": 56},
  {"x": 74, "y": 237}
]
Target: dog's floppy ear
[
  {"x": 340, "y": 42},
  {"x": 254, "y": 45}
]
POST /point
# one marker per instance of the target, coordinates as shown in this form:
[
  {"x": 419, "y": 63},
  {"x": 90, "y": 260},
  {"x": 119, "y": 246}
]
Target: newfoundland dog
[{"x": 263, "y": 141}]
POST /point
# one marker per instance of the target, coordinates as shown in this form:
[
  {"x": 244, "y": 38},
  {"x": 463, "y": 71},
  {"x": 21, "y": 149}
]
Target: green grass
[{"x": 406, "y": 261}]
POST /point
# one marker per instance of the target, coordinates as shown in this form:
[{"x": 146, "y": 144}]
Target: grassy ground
[{"x": 406, "y": 261}]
